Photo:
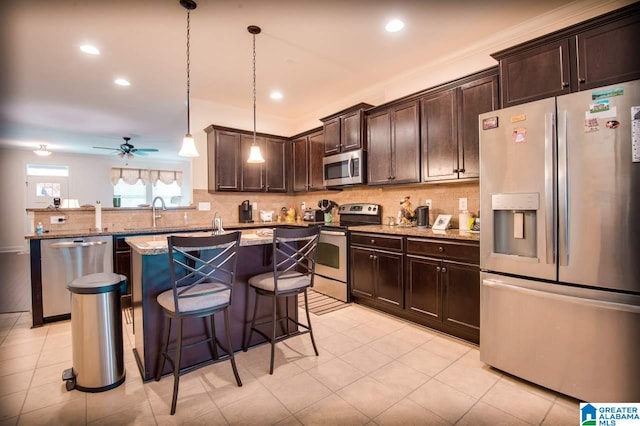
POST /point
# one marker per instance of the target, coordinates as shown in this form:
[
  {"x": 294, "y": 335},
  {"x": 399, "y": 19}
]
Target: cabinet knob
[
  {"x": 437, "y": 268},
  {"x": 461, "y": 170},
  {"x": 441, "y": 249},
  {"x": 582, "y": 80},
  {"x": 565, "y": 84},
  {"x": 373, "y": 241},
  {"x": 370, "y": 256},
  {"x": 455, "y": 170},
  {"x": 444, "y": 269},
  {"x": 393, "y": 177}
]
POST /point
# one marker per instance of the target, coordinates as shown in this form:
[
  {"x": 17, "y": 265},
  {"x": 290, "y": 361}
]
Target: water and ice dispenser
[{"x": 514, "y": 224}]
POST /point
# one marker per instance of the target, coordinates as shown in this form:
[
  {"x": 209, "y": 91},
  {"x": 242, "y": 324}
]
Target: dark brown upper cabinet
[
  {"x": 449, "y": 127},
  {"x": 393, "y": 138},
  {"x": 276, "y": 172},
  {"x": 223, "y": 150},
  {"x": 598, "y": 52},
  {"x": 228, "y": 150},
  {"x": 344, "y": 131},
  {"x": 307, "y": 154}
]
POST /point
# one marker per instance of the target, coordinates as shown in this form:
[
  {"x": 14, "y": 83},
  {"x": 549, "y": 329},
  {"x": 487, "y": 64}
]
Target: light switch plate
[
  {"x": 427, "y": 202},
  {"x": 462, "y": 204},
  {"x": 58, "y": 219},
  {"x": 204, "y": 206}
]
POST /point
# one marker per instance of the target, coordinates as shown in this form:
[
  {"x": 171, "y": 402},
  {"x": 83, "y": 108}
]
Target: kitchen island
[{"x": 150, "y": 277}]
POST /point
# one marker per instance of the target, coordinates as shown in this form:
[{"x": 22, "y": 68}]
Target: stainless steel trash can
[{"x": 96, "y": 333}]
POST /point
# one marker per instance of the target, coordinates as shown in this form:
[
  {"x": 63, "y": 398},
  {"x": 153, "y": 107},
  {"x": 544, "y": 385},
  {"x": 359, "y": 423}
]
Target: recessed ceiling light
[
  {"x": 121, "y": 82},
  {"x": 89, "y": 49},
  {"x": 394, "y": 25},
  {"x": 276, "y": 95}
]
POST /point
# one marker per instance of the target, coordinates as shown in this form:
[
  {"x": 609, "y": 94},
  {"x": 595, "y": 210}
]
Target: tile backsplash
[{"x": 444, "y": 198}]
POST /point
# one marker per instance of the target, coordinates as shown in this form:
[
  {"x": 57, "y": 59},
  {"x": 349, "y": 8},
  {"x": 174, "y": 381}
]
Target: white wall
[{"x": 89, "y": 181}]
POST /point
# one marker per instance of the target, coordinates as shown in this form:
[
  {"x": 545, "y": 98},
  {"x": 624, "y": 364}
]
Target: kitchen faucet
[
  {"x": 216, "y": 225},
  {"x": 155, "y": 216}
]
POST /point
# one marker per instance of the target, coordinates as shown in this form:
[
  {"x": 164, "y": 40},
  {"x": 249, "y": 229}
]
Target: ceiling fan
[{"x": 127, "y": 150}]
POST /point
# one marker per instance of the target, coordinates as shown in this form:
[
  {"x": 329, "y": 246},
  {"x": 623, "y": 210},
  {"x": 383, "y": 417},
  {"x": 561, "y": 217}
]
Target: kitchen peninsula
[{"x": 150, "y": 276}]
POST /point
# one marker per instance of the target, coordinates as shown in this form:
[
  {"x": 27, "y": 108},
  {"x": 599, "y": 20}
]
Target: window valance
[
  {"x": 129, "y": 176},
  {"x": 132, "y": 176},
  {"x": 166, "y": 176}
]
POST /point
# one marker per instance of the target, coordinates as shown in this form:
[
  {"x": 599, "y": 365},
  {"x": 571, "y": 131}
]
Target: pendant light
[
  {"x": 255, "y": 156},
  {"x": 42, "y": 151},
  {"x": 188, "y": 144}
]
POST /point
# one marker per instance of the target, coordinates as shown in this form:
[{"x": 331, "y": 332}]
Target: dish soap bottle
[{"x": 39, "y": 228}]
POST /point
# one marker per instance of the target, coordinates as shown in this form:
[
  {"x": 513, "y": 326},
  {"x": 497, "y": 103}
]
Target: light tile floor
[{"x": 373, "y": 369}]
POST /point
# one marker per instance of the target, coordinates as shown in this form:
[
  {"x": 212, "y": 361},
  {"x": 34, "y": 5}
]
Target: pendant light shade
[
  {"x": 188, "y": 147},
  {"x": 188, "y": 144},
  {"x": 255, "y": 156}
]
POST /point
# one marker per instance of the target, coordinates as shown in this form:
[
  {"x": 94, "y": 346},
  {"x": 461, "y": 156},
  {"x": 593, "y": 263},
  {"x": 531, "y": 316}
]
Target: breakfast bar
[{"x": 150, "y": 277}]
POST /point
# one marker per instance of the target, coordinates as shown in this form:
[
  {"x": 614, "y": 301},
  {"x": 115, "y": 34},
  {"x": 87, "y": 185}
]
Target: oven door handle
[{"x": 335, "y": 233}]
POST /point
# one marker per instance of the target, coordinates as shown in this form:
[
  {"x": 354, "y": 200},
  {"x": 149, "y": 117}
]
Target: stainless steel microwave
[{"x": 347, "y": 168}]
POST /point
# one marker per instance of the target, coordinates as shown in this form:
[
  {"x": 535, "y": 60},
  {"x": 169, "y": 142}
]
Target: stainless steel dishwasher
[{"x": 66, "y": 259}]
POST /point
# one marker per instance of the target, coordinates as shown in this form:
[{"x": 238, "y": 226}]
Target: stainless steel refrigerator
[{"x": 560, "y": 242}]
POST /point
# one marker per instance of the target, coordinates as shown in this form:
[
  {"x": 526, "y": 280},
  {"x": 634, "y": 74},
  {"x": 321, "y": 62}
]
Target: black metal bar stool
[
  {"x": 203, "y": 271},
  {"x": 294, "y": 264}
]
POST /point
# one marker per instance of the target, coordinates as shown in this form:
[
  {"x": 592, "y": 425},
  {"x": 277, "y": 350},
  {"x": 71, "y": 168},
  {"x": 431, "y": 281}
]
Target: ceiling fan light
[
  {"x": 188, "y": 147},
  {"x": 255, "y": 156},
  {"x": 42, "y": 151}
]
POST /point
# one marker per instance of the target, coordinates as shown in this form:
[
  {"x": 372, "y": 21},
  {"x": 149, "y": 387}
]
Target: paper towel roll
[
  {"x": 98, "y": 216},
  {"x": 463, "y": 219}
]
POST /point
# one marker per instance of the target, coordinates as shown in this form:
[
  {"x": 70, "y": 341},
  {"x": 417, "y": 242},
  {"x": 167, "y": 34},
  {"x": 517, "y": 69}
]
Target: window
[
  {"x": 47, "y": 170},
  {"x": 171, "y": 194},
  {"x": 141, "y": 186},
  {"x": 131, "y": 195}
]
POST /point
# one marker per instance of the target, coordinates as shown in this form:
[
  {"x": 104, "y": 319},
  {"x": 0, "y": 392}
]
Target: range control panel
[{"x": 360, "y": 208}]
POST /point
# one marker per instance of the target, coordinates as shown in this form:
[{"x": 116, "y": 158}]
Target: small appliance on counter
[
  {"x": 422, "y": 214},
  {"x": 313, "y": 215},
  {"x": 245, "y": 212}
]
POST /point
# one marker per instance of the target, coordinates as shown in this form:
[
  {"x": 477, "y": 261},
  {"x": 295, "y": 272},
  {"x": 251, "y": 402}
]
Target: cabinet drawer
[
  {"x": 377, "y": 241},
  {"x": 463, "y": 251}
]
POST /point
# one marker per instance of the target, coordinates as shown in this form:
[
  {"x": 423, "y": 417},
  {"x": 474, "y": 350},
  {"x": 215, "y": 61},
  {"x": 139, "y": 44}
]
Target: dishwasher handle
[{"x": 72, "y": 244}]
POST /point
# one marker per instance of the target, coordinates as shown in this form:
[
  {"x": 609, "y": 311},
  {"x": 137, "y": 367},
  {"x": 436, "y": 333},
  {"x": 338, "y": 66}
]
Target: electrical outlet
[
  {"x": 255, "y": 206},
  {"x": 204, "y": 206},
  {"x": 427, "y": 202},
  {"x": 462, "y": 204},
  {"x": 57, "y": 219}
]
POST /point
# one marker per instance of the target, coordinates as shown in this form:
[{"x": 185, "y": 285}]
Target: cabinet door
[
  {"x": 332, "y": 136},
  {"x": 351, "y": 131},
  {"x": 461, "y": 298},
  {"x": 227, "y": 151},
  {"x": 316, "y": 154},
  {"x": 538, "y": 73},
  {"x": 362, "y": 272},
  {"x": 473, "y": 99},
  {"x": 405, "y": 143},
  {"x": 609, "y": 54},
  {"x": 300, "y": 156},
  {"x": 439, "y": 137},
  {"x": 424, "y": 287},
  {"x": 276, "y": 160},
  {"x": 252, "y": 173},
  {"x": 379, "y": 142},
  {"x": 389, "y": 276}
]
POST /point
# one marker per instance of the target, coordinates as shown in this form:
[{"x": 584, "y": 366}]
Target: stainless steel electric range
[{"x": 332, "y": 267}]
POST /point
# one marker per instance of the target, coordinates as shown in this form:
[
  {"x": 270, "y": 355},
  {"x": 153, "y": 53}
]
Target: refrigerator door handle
[
  {"x": 563, "y": 169},
  {"x": 548, "y": 186}
]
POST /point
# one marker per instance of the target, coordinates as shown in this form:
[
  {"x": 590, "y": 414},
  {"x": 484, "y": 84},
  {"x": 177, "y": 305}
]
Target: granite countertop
[
  {"x": 157, "y": 244},
  {"x": 159, "y": 230},
  {"x": 412, "y": 231}
]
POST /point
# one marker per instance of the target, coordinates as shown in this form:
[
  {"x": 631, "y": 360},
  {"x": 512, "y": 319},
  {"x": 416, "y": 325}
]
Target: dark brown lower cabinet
[
  {"x": 122, "y": 265},
  {"x": 377, "y": 275},
  {"x": 432, "y": 282}
]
